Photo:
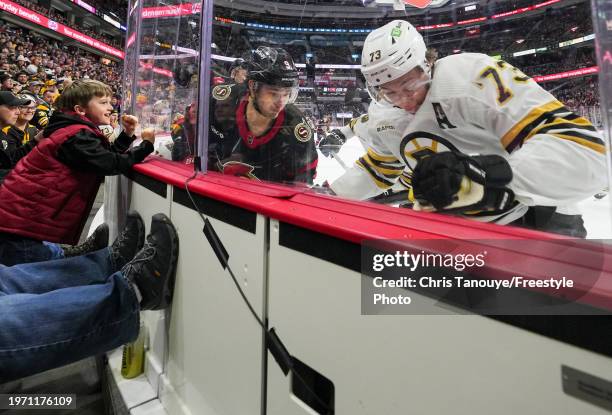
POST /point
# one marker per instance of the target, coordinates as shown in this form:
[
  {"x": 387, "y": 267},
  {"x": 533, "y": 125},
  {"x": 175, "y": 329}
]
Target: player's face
[
  {"x": 99, "y": 110},
  {"x": 272, "y": 99},
  {"x": 408, "y": 91}
]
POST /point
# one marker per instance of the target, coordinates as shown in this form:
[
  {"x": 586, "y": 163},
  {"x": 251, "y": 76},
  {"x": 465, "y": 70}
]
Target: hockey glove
[
  {"x": 455, "y": 182},
  {"x": 331, "y": 143}
]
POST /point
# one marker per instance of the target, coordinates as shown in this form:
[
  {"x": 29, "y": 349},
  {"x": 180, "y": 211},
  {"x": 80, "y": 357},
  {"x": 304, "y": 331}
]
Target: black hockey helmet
[{"x": 273, "y": 66}]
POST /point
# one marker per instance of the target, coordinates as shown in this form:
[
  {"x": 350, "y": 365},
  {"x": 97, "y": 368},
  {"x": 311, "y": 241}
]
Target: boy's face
[{"x": 99, "y": 110}]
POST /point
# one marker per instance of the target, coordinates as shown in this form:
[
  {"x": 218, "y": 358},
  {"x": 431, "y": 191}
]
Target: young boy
[{"x": 49, "y": 193}]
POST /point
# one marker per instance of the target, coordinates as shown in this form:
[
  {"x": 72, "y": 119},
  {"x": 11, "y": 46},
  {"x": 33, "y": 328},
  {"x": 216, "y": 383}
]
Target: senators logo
[
  {"x": 302, "y": 132},
  {"x": 421, "y": 144},
  {"x": 53, "y": 25},
  {"x": 221, "y": 92}
]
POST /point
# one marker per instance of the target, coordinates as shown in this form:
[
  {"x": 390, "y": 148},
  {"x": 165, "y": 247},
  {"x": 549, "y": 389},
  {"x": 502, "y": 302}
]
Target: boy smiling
[{"x": 49, "y": 193}]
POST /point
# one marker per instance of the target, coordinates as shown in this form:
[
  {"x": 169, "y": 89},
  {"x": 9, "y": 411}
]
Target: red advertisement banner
[{"x": 27, "y": 14}]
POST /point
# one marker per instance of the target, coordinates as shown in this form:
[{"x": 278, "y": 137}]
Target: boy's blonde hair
[{"x": 80, "y": 93}]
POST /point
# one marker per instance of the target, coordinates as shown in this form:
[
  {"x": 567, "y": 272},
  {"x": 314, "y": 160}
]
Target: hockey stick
[
  {"x": 340, "y": 161},
  {"x": 390, "y": 197}
]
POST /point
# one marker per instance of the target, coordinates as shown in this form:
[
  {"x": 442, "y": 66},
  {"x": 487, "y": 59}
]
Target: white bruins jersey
[
  {"x": 478, "y": 105},
  {"x": 379, "y": 131}
]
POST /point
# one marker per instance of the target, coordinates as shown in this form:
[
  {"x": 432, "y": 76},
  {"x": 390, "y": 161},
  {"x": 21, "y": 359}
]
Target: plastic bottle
[{"x": 132, "y": 362}]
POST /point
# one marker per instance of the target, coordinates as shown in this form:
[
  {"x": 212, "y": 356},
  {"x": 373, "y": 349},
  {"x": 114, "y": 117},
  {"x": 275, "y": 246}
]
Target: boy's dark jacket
[{"x": 49, "y": 193}]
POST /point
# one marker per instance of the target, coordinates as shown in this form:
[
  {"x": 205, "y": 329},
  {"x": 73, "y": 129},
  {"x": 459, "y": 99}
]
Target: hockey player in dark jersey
[{"x": 256, "y": 130}]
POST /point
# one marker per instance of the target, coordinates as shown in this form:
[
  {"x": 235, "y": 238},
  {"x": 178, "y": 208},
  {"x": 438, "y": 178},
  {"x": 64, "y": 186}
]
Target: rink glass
[{"x": 563, "y": 45}]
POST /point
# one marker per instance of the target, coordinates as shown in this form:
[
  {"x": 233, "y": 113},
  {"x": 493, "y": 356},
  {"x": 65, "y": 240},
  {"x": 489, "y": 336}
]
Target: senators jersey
[
  {"x": 379, "y": 168},
  {"x": 479, "y": 105},
  {"x": 285, "y": 153}
]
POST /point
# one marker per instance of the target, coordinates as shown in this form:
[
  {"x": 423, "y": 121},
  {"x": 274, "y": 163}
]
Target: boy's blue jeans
[
  {"x": 16, "y": 249},
  {"x": 57, "y": 312}
]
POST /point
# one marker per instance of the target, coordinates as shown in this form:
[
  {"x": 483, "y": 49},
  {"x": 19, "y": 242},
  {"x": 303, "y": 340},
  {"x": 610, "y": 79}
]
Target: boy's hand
[
  {"x": 129, "y": 124},
  {"x": 148, "y": 134}
]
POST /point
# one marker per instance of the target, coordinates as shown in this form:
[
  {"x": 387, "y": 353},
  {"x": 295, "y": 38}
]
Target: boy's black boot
[
  {"x": 97, "y": 240},
  {"x": 129, "y": 241},
  {"x": 153, "y": 268}
]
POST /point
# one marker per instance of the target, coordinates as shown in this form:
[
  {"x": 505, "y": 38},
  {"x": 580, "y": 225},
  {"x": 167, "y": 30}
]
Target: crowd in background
[
  {"x": 59, "y": 17},
  {"x": 326, "y": 93},
  {"x": 45, "y": 59}
]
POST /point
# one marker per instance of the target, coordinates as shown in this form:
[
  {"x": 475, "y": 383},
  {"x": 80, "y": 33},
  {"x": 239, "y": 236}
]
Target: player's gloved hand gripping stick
[{"x": 455, "y": 182}]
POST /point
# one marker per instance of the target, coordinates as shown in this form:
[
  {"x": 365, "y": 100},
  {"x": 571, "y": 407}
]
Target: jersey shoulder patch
[
  {"x": 221, "y": 92},
  {"x": 303, "y": 132}
]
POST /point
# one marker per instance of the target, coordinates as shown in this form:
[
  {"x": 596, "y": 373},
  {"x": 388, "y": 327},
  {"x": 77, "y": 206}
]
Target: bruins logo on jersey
[
  {"x": 221, "y": 92},
  {"x": 420, "y": 144},
  {"x": 302, "y": 132}
]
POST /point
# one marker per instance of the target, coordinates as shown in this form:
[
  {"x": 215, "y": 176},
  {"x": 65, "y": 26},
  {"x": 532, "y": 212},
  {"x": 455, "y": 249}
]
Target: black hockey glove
[
  {"x": 455, "y": 182},
  {"x": 331, "y": 143}
]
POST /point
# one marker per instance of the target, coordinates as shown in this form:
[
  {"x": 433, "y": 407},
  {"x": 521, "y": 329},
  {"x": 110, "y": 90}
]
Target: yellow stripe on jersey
[
  {"x": 380, "y": 157},
  {"x": 6, "y": 129},
  {"x": 569, "y": 132},
  {"x": 382, "y": 183},
  {"x": 528, "y": 119},
  {"x": 600, "y": 148},
  {"x": 406, "y": 179},
  {"x": 384, "y": 170},
  {"x": 556, "y": 120}
]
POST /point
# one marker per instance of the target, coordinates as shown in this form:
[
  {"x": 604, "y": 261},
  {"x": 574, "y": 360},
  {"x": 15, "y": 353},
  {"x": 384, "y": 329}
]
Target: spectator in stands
[
  {"x": 238, "y": 71},
  {"x": 20, "y": 136},
  {"x": 44, "y": 110},
  {"x": 9, "y": 111},
  {"x": 56, "y": 312},
  {"x": 6, "y": 82},
  {"x": 22, "y": 77},
  {"x": 75, "y": 157},
  {"x": 22, "y": 62},
  {"x": 183, "y": 134},
  {"x": 115, "y": 102},
  {"x": 34, "y": 87}
]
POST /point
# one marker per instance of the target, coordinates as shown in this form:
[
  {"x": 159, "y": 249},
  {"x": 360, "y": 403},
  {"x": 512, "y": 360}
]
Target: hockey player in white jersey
[
  {"x": 486, "y": 141},
  {"x": 378, "y": 169}
]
